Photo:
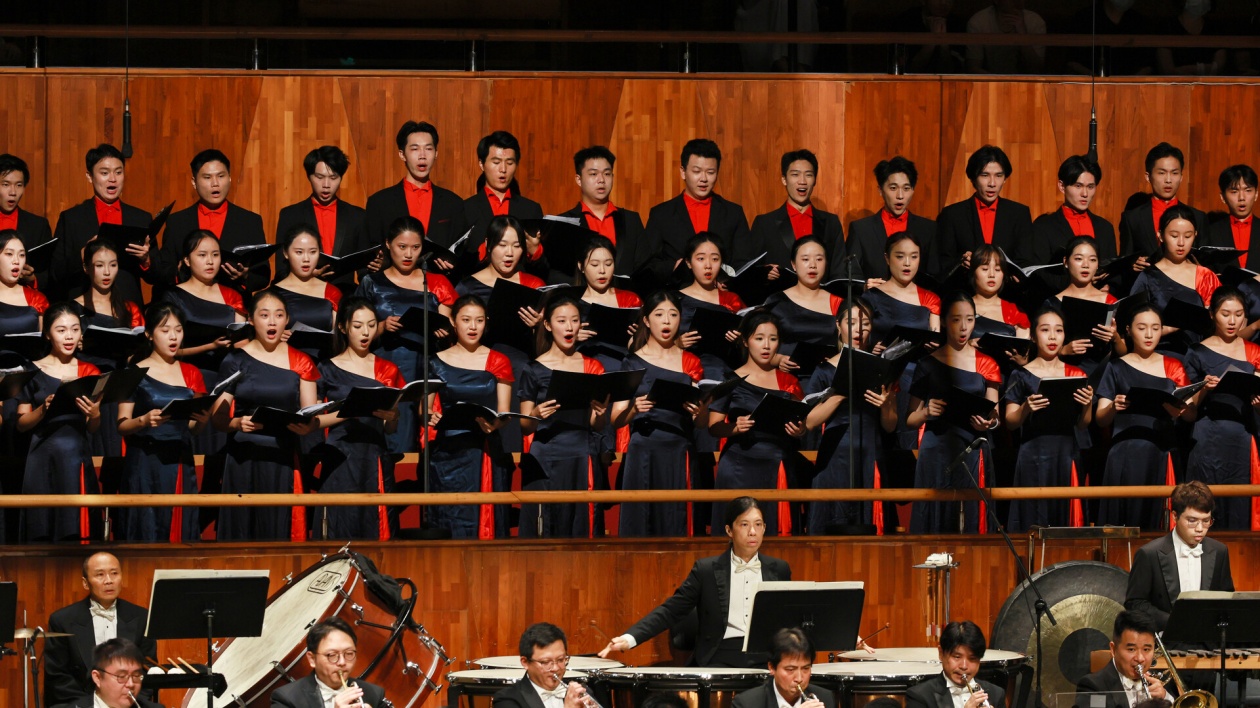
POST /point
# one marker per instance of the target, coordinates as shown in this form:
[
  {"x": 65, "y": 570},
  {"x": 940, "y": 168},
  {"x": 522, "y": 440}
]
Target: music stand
[
  {"x": 8, "y": 616},
  {"x": 829, "y": 613},
  {"x": 189, "y": 604},
  {"x": 1215, "y": 617}
]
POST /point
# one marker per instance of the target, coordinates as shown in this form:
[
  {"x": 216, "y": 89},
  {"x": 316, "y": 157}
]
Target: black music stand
[
  {"x": 189, "y": 604},
  {"x": 8, "y": 616},
  {"x": 830, "y": 614},
  {"x": 1213, "y": 617}
]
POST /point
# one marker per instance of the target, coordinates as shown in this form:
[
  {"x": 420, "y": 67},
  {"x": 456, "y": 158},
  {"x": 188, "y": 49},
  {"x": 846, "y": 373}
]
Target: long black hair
[
  {"x": 542, "y": 338},
  {"x": 154, "y": 316},
  {"x": 653, "y": 301},
  {"x": 190, "y": 244},
  {"x": 345, "y": 313},
  {"x": 117, "y": 303}
]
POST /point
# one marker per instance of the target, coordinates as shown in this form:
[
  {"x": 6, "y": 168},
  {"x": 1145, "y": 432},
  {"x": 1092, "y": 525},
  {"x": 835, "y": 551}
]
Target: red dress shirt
[
  {"x": 802, "y": 221},
  {"x": 988, "y": 214},
  {"x": 420, "y": 201},
  {"x": 698, "y": 210},
  {"x": 212, "y": 219}
]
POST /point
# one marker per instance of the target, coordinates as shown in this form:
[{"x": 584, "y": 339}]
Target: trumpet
[
  {"x": 1185, "y": 699},
  {"x": 1146, "y": 684},
  {"x": 345, "y": 683},
  {"x": 587, "y": 699},
  {"x": 972, "y": 688},
  {"x": 808, "y": 696}
]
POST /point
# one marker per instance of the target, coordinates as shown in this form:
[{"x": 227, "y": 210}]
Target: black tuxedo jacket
[
  {"x": 1106, "y": 680},
  {"x": 36, "y": 231},
  {"x": 634, "y": 250},
  {"x": 934, "y": 693},
  {"x": 1220, "y": 233},
  {"x": 351, "y": 235},
  {"x": 446, "y": 216},
  {"x": 1137, "y": 231},
  {"x": 772, "y": 234},
  {"x": 707, "y": 590},
  {"x": 669, "y": 228},
  {"x": 958, "y": 232},
  {"x": 1155, "y": 583},
  {"x": 763, "y": 696},
  {"x": 1051, "y": 233},
  {"x": 304, "y": 693},
  {"x": 86, "y": 702},
  {"x": 75, "y": 227},
  {"x": 241, "y": 227},
  {"x": 68, "y": 660},
  {"x": 867, "y": 237},
  {"x": 519, "y": 695},
  {"x": 477, "y": 213}
]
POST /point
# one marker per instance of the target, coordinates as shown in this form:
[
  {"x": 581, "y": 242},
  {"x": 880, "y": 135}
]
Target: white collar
[
  {"x": 736, "y": 560},
  {"x": 1179, "y": 545},
  {"x": 783, "y": 700},
  {"x": 1125, "y": 681}
]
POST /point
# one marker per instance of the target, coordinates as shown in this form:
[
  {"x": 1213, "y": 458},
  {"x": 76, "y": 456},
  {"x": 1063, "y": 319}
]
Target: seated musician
[
  {"x": 1132, "y": 649},
  {"x": 331, "y": 649},
  {"x": 117, "y": 671},
  {"x": 791, "y": 664},
  {"x": 545, "y": 657},
  {"x": 962, "y": 646}
]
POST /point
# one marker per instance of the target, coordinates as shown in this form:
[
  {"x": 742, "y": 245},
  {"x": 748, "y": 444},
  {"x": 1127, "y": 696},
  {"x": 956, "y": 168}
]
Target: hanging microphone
[
  {"x": 126, "y": 138},
  {"x": 1093, "y": 135}
]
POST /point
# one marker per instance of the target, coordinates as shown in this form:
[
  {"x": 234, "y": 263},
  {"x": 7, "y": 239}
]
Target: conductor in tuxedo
[
  {"x": 544, "y": 656},
  {"x": 984, "y": 217},
  {"x": 720, "y": 590},
  {"x": 235, "y": 226},
  {"x": 962, "y": 646},
  {"x": 1132, "y": 646},
  {"x": 1238, "y": 229},
  {"x": 342, "y": 226},
  {"x": 331, "y": 650},
  {"x": 498, "y": 193},
  {"x": 117, "y": 674},
  {"x": 99, "y": 617},
  {"x": 34, "y": 230},
  {"x": 79, "y": 224},
  {"x": 1185, "y": 559},
  {"x": 773, "y": 233},
  {"x": 439, "y": 210},
  {"x": 1079, "y": 178},
  {"x": 791, "y": 665},
  {"x": 1140, "y": 224},
  {"x": 896, "y": 178},
  {"x": 594, "y": 167}
]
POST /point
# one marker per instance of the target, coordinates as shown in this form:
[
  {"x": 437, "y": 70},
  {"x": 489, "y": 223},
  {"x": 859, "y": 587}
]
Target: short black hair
[
  {"x": 890, "y": 167},
  {"x": 700, "y": 147},
  {"x": 102, "y": 152},
  {"x": 539, "y": 635},
  {"x": 209, "y": 155},
  {"x": 985, "y": 155},
  {"x": 594, "y": 152},
  {"x": 330, "y": 155},
  {"x": 1230, "y": 176},
  {"x": 1077, "y": 165},
  {"x": 790, "y": 642},
  {"x": 737, "y": 507},
  {"x": 500, "y": 139},
  {"x": 792, "y": 156},
  {"x": 111, "y": 650},
  {"x": 965, "y": 633},
  {"x": 1161, "y": 151},
  {"x": 11, "y": 163},
  {"x": 1132, "y": 621},
  {"x": 325, "y": 628},
  {"x": 412, "y": 126}
]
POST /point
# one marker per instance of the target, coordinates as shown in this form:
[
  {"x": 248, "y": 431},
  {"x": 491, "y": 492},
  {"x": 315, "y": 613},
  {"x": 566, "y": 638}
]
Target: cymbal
[{"x": 29, "y": 633}]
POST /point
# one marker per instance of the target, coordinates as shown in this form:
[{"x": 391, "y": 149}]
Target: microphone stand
[
  {"x": 848, "y": 303},
  {"x": 425, "y": 352}
]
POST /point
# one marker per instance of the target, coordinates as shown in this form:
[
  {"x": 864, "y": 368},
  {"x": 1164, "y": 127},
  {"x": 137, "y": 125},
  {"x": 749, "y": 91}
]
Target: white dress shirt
[
  {"x": 783, "y": 702},
  {"x": 745, "y": 577},
  {"x": 957, "y": 694},
  {"x": 98, "y": 702},
  {"x": 1189, "y": 563},
  {"x": 1131, "y": 687},
  {"x": 551, "y": 699},
  {"x": 104, "y": 621}
]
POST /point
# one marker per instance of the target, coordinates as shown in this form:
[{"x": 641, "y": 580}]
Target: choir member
[
  {"x": 1225, "y": 423},
  {"x": 400, "y": 286},
  {"x": 263, "y": 460},
  {"x": 339, "y": 227},
  {"x": 159, "y": 448},
  {"x": 984, "y": 217},
  {"x": 624, "y": 228},
  {"x": 559, "y": 456},
  {"x": 661, "y": 445},
  {"x": 233, "y": 225},
  {"x": 753, "y": 457},
  {"x": 21, "y": 312},
  {"x": 1049, "y": 454},
  {"x": 1142, "y": 438},
  {"x": 354, "y": 456},
  {"x": 896, "y": 178},
  {"x": 309, "y": 299},
  {"x": 1140, "y": 225},
  {"x": 439, "y": 210},
  {"x": 79, "y": 224},
  {"x": 775, "y": 232},
  {"x": 993, "y": 314},
  {"x": 875, "y": 411},
  {"x": 1175, "y": 275},
  {"x": 810, "y": 309},
  {"x": 14, "y": 176},
  {"x": 1081, "y": 262},
  {"x": 1079, "y": 178},
  {"x": 956, "y": 365},
  {"x": 59, "y": 460},
  {"x": 498, "y": 192},
  {"x": 470, "y": 458},
  {"x": 1238, "y": 185}
]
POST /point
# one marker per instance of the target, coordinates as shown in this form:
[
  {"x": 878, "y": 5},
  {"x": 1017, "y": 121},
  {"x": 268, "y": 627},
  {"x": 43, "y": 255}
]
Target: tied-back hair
[
  {"x": 1131, "y": 315},
  {"x": 469, "y": 300},
  {"x": 55, "y": 311},
  {"x": 739, "y": 506},
  {"x": 842, "y": 314},
  {"x": 117, "y": 303},
  {"x": 653, "y": 301},
  {"x": 806, "y": 240},
  {"x": 898, "y": 238},
  {"x": 8, "y": 235},
  {"x": 189, "y": 246},
  {"x": 543, "y": 340},
  {"x": 154, "y": 316},
  {"x": 287, "y": 239},
  {"x": 1224, "y": 294},
  {"x": 1174, "y": 212},
  {"x": 497, "y": 230},
  {"x": 755, "y": 318},
  {"x": 345, "y": 314}
]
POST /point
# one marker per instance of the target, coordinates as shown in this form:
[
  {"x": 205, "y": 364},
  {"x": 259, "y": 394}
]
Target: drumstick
[
  {"x": 190, "y": 667},
  {"x": 868, "y": 637}
]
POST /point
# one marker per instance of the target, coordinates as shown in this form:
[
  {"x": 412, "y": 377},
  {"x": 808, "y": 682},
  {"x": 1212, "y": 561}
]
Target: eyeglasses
[
  {"x": 335, "y": 656},
  {"x": 122, "y": 677},
  {"x": 1205, "y": 522},
  {"x": 550, "y": 663}
]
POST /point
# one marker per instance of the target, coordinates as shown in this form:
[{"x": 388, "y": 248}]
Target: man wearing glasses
[
  {"x": 1184, "y": 560},
  {"x": 545, "y": 656},
  {"x": 118, "y": 669},
  {"x": 331, "y": 649}
]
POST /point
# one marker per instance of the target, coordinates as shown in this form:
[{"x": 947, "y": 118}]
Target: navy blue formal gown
[
  {"x": 609, "y": 440},
  {"x": 16, "y": 319},
  {"x": 316, "y": 312},
  {"x": 1049, "y": 455},
  {"x": 831, "y": 468},
  {"x": 1224, "y": 450},
  {"x": 106, "y": 441},
  {"x": 1159, "y": 289}
]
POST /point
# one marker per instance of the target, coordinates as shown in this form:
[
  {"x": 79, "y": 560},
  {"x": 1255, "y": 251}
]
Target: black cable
[{"x": 127, "y": 152}]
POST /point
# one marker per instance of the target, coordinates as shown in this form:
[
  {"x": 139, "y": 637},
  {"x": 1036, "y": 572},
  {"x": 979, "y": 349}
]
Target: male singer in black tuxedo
[
  {"x": 100, "y": 616},
  {"x": 544, "y": 652},
  {"x": 984, "y": 217},
  {"x": 498, "y": 193},
  {"x": 791, "y": 665},
  {"x": 1239, "y": 228},
  {"x": 896, "y": 178},
  {"x": 342, "y": 226},
  {"x": 233, "y": 225},
  {"x": 79, "y": 224},
  {"x": 441, "y": 211},
  {"x": 1119, "y": 683},
  {"x": 962, "y": 646},
  {"x": 1138, "y": 226},
  {"x": 594, "y": 167},
  {"x": 773, "y": 233},
  {"x": 1079, "y": 178},
  {"x": 117, "y": 677},
  {"x": 331, "y": 651},
  {"x": 14, "y": 175}
]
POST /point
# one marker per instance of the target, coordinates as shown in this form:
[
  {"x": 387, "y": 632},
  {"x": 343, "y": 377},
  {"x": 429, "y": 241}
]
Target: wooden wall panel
[
  {"x": 655, "y": 118},
  {"x": 23, "y": 122}
]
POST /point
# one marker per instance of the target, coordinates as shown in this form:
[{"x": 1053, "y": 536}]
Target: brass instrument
[
  {"x": 346, "y": 683},
  {"x": 808, "y": 696},
  {"x": 587, "y": 700},
  {"x": 1185, "y": 699},
  {"x": 1145, "y": 684},
  {"x": 972, "y": 687}
]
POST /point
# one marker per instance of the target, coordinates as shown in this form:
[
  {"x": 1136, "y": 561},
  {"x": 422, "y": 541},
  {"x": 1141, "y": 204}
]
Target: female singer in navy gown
[
  {"x": 259, "y": 460},
  {"x": 1142, "y": 441},
  {"x": 957, "y": 364},
  {"x": 1224, "y": 449},
  {"x": 401, "y": 286},
  {"x": 661, "y": 446},
  {"x": 59, "y": 461},
  {"x": 559, "y": 456},
  {"x": 1081, "y": 263},
  {"x": 809, "y": 309},
  {"x": 1175, "y": 275},
  {"x": 875, "y": 411},
  {"x": 470, "y": 459},
  {"x": 758, "y": 458},
  {"x": 310, "y": 300},
  {"x": 353, "y": 457},
  {"x": 1049, "y": 454},
  {"x": 987, "y": 277},
  {"x": 159, "y": 449}
]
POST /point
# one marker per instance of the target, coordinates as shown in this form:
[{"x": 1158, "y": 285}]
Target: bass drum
[{"x": 1084, "y": 597}]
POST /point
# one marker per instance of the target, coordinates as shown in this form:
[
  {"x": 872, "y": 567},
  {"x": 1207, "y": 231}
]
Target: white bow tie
[
  {"x": 741, "y": 566},
  {"x": 956, "y": 690},
  {"x": 109, "y": 614},
  {"x": 558, "y": 693},
  {"x": 1196, "y": 552}
]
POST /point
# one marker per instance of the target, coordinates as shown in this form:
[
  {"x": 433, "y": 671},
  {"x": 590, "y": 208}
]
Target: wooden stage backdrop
[
  {"x": 267, "y": 121},
  {"x": 476, "y": 597}
]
